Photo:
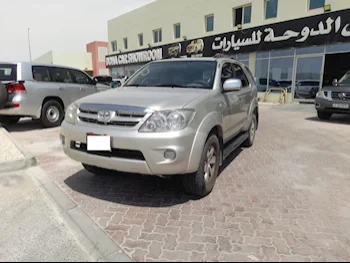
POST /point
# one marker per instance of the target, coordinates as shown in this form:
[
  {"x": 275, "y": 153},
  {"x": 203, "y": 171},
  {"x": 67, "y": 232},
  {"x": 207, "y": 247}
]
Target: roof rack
[{"x": 220, "y": 55}]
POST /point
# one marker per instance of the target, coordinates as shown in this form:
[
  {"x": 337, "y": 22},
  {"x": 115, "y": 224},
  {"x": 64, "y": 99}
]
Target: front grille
[
  {"x": 115, "y": 153},
  {"x": 122, "y": 116},
  {"x": 338, "y": 95}
]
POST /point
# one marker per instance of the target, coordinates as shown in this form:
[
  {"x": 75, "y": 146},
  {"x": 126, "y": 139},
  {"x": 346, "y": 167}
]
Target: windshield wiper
[{"x": 172, "y": 86}]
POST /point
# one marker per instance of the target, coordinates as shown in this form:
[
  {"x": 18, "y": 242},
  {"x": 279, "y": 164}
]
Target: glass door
[{"x": 308, "y": 77}]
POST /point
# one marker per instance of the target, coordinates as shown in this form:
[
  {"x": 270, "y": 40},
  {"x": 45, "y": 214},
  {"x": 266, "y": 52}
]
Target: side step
[{"x": 234, "y": 144}]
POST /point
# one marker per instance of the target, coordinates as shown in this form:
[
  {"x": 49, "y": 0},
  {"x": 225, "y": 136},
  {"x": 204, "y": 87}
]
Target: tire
[
  {"x": 9, "y": 120},
  {"x": 3, "y": 95},
  {"x": 251, "y": 132},
  {"x": 96, "y": 170},
  {"x": 202, "y": 182},
  {"x": 324, "y": 115},
  {"x": 52, "y": 114}
]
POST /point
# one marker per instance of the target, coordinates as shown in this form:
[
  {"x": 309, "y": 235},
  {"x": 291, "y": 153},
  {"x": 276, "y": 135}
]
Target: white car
[{"x": 195, "y": 47}]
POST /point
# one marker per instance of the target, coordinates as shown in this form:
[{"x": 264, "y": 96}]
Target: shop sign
[{"x": 135, "y": 57}]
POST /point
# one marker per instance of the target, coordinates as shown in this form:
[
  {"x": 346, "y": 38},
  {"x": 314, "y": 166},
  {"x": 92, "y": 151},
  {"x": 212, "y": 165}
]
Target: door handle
[
  {"x": 82, "y": 89},
  {"x": 60, "y": 88}
]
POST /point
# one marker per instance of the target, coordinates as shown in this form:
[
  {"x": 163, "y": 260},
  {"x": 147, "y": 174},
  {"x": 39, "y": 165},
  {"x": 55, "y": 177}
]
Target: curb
[
  {"x": 28, "y": 161},
  {"x": 96, "y": 243}
]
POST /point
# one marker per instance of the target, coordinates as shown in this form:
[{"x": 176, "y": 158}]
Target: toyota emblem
[
  {"x": 104, "y": 116},
  {"x": 342, "y": 96}
]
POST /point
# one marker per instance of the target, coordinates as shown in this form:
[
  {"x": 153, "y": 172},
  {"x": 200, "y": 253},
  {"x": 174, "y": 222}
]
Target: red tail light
[{"x": 16, "y": 88}]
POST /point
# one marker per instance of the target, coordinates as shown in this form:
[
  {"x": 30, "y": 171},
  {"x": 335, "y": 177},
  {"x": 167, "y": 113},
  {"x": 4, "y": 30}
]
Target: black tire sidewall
[
  {"x": 45, "y": 122},
  {"x": 324, "y": 115}
]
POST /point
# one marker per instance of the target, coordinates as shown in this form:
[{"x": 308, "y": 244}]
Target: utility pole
[{"x": 30, "y": 50}]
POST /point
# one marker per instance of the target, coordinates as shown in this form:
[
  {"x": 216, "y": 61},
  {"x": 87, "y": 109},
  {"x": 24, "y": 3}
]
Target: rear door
[
  {"x": 84, "y": 82},
  {"x": 63, "y": 81}
]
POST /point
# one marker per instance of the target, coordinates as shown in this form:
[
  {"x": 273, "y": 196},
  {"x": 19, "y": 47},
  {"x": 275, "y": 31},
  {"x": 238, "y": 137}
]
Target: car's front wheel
[
  {"x": 324, "y": 115},
  {"x": 251, "y": 132},
  {"x": 202, "y": 182}
]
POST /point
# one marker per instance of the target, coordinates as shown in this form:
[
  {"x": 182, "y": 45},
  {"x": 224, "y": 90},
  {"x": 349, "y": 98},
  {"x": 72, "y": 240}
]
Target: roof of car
[
  {"x": 196, "y": 59},
  {"x": 38, "y": 64}
]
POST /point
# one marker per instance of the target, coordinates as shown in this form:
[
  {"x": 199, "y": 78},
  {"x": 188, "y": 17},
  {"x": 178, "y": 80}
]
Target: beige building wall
[
  {"x": 191, "y": 14},
  {"x": 80, "y": 60}
]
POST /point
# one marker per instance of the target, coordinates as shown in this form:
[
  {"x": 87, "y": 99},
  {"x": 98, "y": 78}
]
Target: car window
[
  {"x": 226, "y": 73},
  {"x": 61, "y": 75},
  {"x": 79, "y": 77},
  {"x": 41, "y": 73},
  {"x": 239, "y": 74},
  {"x": 8, "y": 72},
  {"x": 345, "y": 79}
]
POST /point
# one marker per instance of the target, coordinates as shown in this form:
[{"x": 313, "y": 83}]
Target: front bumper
[
  {"x": 325, "y": 105},
  {"x": 151, "y": 146}
]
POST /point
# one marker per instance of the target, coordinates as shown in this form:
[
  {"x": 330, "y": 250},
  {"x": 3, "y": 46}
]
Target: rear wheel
[
  {"x": 9, "y": 120},
  {"x": 96, "y": 170},
  {"x": 202, "y": 182},
  {"x": 251, "y": 132},
  {"x": 324, "y": 115},
  {"x": 52, "y": 114}
]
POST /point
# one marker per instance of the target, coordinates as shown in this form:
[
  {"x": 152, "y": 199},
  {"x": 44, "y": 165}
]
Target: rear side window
[
  {"x": 61, "y": 75},
  {"x": 41, "y": 74},
  {"x": 79, "y": 77},
  {"x": 8, "y": 72}
]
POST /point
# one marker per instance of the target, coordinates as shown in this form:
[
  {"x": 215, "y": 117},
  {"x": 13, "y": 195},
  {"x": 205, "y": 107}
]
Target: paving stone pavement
[{"x": 284, "y": 199}]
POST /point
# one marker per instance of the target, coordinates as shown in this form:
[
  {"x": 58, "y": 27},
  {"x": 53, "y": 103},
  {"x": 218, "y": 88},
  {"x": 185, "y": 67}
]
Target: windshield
[
  {"x": 176, "y": 74},
  {"x": 8, "y": 72},
  {"x": 345, "y": 79}
]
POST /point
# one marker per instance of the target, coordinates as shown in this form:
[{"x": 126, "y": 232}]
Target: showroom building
[{"x": 298, "y": 46}]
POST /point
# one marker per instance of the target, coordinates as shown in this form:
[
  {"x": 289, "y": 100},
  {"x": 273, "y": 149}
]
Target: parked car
[
  {"x": 104, "y": 80},
  {"x": 334, "y": 99},
  {"x": 42, "y": 91},
  {"x": 195, "y": 47},
  {"x": 306, "y": 89},
  {"x": 262, "y": 84},
  {"x": 174, "y": 50},
  {"x": 168, "y": 119}
]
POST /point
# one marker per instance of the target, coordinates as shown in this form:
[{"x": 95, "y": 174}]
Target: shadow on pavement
[
  {"x": 337, "y": 119},
  {"x": 135, "y": 190},
  {"x": 24, "y": 126}
]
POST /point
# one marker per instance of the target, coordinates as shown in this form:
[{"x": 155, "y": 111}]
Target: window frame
[
  {"x": 71, "y": 71},
  {"x": 206, "y": 23},
  {"x": 48, "y": 73},
  {"x": 126, "y": 44},
  {"x": 266, "y": 2},
  {"x": 140, "y": 37},
  {"x": 114, "y": 45},
  {"x": 159, "y": 34},
  {"x": 178, "y": 25},
  {"x": 60, "y": 68},
  {"x": 309, "y": 5},
  {"x": 234, "y": 12}
]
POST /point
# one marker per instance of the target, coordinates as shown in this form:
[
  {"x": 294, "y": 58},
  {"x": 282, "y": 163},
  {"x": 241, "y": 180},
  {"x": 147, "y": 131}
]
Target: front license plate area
[
  {"x": 98, "y": 143},
  {"x": 341, "y": 106}
]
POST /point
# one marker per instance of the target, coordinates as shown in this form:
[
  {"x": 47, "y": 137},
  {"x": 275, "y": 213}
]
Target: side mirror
[
  {"x": 335, "y": 82},
  {"x": 233, "y": 85}
]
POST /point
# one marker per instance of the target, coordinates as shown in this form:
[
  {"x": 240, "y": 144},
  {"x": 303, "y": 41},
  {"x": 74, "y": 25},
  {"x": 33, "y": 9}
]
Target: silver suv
[
  {"x": 334, "y": 99},
  {"x": 42, "y": 91},
  {"x": 172, "y": 117}
]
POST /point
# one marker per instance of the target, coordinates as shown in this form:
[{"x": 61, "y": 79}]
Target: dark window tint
[
  {"x": 61, "y": 75},
  {"x": 238, "y": 16},
  {"x": 41, "y": 74},
  {"x": 177, "y": 30},
  {"x": 239, "y": 74},
  {"x": 226, "y": 73},
  {"x": 141, "y": 40},
  {"x": 263, "y": 81},
  {"x": 125, "y": 43},
  {"x": 316, "y": 4},
  {"x": 80, "y": 77},
  {"x": 8, "y": 72},
  {"x": 271, "y": 9}
]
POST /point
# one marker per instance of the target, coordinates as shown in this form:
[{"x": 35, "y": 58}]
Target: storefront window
[
  {"x": 344, "y": 47},
  {"x": 310, "y": 50},
  {"x": 281, "y": 73},
  {"x": 262, "y": 71},
  {"x": 263, "y": 55},
  {"x": 282, "y": 53}
]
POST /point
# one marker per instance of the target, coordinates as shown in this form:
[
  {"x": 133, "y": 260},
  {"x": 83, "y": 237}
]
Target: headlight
[
  {"x": 165, "y": 121},
  {"x": 71, "y": 113},
  {"x": 320, "y": 94}
]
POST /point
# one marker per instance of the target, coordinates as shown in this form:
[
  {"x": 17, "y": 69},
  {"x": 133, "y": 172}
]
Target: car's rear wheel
[
  {"x": 251, "y": 132},
  {"x": 96, "y": 170},
  {"x": 9, "y": 120},
  {"x": 202, "y": 182},
  {"x": 52, "y": 114},
  {"x": 324, "y": 115}
]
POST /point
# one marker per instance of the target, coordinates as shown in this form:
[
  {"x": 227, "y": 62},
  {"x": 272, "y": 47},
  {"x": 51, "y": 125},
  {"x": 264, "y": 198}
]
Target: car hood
[
  {"x": 150, "y": 97},
  {"x": 340, "y": 88}
]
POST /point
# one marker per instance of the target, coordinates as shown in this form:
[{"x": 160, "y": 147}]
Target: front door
[{"x": 308, "y": 77}]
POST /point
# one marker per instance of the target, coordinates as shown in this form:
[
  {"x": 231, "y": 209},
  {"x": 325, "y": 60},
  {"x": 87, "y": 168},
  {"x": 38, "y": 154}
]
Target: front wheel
[
  {"x": 324, "y": 115},
  {"x": 202, "y": 182},
  {"x": 251, "y": 132}
]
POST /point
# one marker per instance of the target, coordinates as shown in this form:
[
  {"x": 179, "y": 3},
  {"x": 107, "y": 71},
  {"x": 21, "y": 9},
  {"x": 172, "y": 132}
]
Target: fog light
[
  {"x": 170, "y": 154},
  {"x": 62, "y": 139}
]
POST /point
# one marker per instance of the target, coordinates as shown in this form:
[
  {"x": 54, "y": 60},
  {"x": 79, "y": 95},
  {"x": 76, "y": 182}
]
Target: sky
[{"x": 65, "y": 25}]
